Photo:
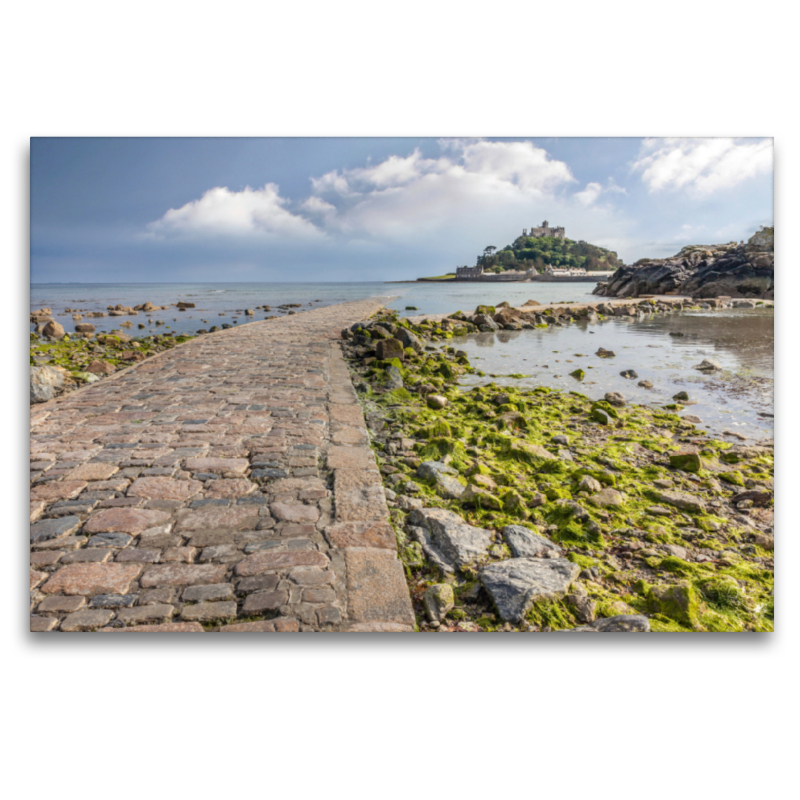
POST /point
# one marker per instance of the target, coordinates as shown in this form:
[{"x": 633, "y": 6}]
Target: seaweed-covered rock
[
  {"x": 390, "y": 348},
  {"x": 687, "y": 460},
  {"x": 394, "y": 380},
  {"x": 678, "y": 601},
  {"x": 480, "y": 498},
  {"x": 448, "y": 538},
  {"x": 608, "y": 498},
  {"x": 517, "y": 583}
]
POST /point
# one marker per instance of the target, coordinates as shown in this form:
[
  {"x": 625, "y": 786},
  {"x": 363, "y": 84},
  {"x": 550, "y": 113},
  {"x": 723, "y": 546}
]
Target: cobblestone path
[{"x": 227, "y": 484}]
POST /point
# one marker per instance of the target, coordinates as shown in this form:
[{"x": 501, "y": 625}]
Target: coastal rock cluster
[
  {"x": 699, "y": 271},
  {"x": 59, "y": 365},
  {"x": 536, "y": 510}
]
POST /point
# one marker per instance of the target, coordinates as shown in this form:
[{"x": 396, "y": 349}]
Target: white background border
[{"x": 698, "y": 716}]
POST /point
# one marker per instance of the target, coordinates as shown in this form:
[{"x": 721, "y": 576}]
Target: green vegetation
[
  {"x": 688, "y": 571},
  {"x": 529, "y": 251}
]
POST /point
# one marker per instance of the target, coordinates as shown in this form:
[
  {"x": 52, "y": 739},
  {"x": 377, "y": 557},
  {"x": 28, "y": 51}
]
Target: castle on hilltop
[{"x": 545, "y": 230}]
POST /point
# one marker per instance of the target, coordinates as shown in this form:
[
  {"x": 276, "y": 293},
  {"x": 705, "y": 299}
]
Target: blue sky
[{"x": 271, "y": 209}]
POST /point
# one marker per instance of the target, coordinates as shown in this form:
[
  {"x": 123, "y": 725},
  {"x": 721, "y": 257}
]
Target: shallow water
[
  {"x": 214, "y": 299},
  {"x": 741, "y": 340}
]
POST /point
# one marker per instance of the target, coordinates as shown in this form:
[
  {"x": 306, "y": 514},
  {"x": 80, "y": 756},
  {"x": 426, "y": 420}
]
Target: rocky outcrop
[{"x": 730, "y": 270}]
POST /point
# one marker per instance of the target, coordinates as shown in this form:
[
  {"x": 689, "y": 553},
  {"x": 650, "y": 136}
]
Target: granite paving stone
[{"x": 235, "y": 465}]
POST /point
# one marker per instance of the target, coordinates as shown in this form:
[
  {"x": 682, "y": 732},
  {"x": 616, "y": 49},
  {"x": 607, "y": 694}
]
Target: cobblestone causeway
[{"x": 224, "y": 485}]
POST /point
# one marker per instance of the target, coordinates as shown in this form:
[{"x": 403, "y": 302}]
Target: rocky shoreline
[
  {"x": 58, "y": 366},
  {"x": 702, "y": 271},
  {"x": 552, "y": 511},
  {"x": 61, "y": 361}
]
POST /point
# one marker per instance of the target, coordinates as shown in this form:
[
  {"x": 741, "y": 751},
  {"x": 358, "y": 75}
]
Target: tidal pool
[{"x": 662, "y": 349}]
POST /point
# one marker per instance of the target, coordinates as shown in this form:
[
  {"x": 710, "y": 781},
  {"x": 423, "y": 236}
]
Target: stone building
[
  {"x": 545, "y": 230},
  {"x": 469, "y": 272}
]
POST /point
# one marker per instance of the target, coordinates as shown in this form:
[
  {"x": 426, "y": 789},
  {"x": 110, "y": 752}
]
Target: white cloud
[
  {"x": 589, "y": 194},
  {"x": 703, "y": 166},
  {"x": 223, "y": 212},
  {"x": 412, "y": 195},
  {"x": 472, "y": 186}
]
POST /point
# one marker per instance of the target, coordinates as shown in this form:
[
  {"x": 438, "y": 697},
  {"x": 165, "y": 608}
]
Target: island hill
[{"x": 543, "y": 253}]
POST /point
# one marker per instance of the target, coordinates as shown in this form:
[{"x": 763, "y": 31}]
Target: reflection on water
[{"x": 741, "y": 340}]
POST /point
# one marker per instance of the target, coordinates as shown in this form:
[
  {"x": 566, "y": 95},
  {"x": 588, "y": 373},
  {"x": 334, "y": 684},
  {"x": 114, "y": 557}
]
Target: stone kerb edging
[{"x": 377, "y": 594}]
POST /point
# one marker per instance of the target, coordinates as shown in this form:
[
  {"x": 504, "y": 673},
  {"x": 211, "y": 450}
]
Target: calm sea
[{"x": 214, "y": 299}]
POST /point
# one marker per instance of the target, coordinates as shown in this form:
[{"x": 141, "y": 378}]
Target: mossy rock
[
  {"x": 514, "y": 504},
  {"x": 604, "y": 405},
  {"x": 688, "y": 462},
  {"x": 578, "y": 374},
  {"x": 734, "y": 477},
  {"x": 533, "y": 454},
  {"x": 677, "y": 601},
  {"x": 439, "y": 427}
]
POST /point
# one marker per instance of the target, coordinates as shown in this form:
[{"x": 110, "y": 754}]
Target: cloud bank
[
  {"x": 396, "y": 198},
  {"x": 703, "y": 166}
]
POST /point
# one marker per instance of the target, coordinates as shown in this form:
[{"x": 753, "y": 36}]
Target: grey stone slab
[
  {"x": 449, "y": 537},
  {"x": 46, "y": 529},
  {"x": 516, "y": 584},
  {"x": 525, "y": 543},
  {"x": 110, "y": 540}
]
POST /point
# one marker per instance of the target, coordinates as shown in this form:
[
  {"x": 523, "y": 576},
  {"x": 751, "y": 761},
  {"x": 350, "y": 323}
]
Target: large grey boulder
[
  {"x": 447, "y": 539},
  {"x": 46, "y": 383},
  {"x": 409, "y": 339},
  {"x": 524, "y": 543},
  {"x": 516, "y": 584}
]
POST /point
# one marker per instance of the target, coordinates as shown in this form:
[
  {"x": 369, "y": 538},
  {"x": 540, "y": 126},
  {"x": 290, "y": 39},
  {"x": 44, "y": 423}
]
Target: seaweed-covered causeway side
[{"x": 544, "y": 511}]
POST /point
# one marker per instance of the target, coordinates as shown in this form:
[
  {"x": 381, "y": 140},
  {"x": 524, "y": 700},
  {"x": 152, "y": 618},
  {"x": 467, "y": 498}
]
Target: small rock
[
  {"x": 585, "y": 608},
  {"x": 53, "y": 330},
  {"x": 436, "y": 401},
  {"x": 439, "y": 600},
  {"x": 708, "y": 365},
  {"x": 615, "y": 398},
  {"x": 589, "y": 484},
  {"x": 645, "y": 384},
  {"x": 608, "y": 498},
  {"x": 631, "y": 374},
  {"x": 685, "y": 502},
  {"x": 46, "y": 383},
  {"x": 686, "y": 460},
  {"x": 394, "y": 380}
]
